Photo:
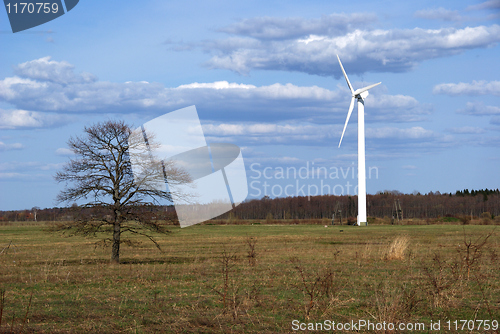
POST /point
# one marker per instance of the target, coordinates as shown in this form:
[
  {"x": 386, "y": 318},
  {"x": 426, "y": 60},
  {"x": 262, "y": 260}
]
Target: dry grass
[
  {"x": 398, "y": 248},
  {"x": 189, "y": 288}
]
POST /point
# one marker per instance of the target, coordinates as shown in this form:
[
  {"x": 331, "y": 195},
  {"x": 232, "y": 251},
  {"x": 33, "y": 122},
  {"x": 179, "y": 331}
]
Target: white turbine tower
[{"x": 360, "y": 95}]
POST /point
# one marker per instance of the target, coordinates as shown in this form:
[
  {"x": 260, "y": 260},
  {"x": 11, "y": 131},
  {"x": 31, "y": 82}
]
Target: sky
[{"x": 263, "y": 75}]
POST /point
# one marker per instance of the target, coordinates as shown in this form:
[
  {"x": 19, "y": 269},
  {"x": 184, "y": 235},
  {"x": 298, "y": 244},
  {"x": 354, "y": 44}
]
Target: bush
[
  {"x": 486, "y": 221},
  {"x": 485, "y": 218},
  {"x": 486, "y": 215},
  {"x": 465, "y": 219},
  {"x": 449, "y": 219}
]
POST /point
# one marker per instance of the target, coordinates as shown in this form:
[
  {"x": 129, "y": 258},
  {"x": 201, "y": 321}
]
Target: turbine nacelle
[{"x": 363, "y": 92}]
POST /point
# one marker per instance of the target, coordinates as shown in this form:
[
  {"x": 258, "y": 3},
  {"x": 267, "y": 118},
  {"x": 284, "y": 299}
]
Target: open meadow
[{"x": 250, "y": 279}]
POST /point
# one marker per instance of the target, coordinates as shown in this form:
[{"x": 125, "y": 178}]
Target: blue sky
[{"x": 264, "y": 76}]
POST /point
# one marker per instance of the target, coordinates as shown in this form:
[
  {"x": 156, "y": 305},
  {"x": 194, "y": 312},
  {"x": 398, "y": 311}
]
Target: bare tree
[{"x": 101, "y": 176}]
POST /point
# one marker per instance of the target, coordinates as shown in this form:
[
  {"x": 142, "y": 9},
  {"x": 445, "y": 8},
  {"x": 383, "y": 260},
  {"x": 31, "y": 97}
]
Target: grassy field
[{"x": 249, "y": 279}]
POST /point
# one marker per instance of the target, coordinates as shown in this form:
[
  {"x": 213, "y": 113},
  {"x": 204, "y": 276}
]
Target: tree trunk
[{"x": 115, "y": 251}]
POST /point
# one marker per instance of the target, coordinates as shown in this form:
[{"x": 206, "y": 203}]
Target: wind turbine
[{"x": 360, "y": 95}]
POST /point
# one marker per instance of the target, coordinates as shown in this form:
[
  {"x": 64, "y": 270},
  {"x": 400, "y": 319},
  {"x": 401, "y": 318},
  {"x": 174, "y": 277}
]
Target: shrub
[
  {"x": 486, "y": 215},
  {"x": 449, "y": 219},
  {"x": 485, "y": 218},
  {"x": 486, "y": 221},
  {"x": 441, "y": 281},
  {"x": 465, "y": 219}
]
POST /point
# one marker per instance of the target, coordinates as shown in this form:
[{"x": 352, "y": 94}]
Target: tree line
[
  {"x": 431, "y": 205},
  {"x": 380, "y": 205}
]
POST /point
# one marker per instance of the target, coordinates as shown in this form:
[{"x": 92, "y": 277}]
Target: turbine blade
[
  {"x": 345, "y": 76},
  {"x": 347, "y": 119},
  {"x": 361, "y": 90}
]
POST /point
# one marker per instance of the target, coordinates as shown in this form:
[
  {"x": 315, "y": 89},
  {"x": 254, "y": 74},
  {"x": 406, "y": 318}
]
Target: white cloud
[
  {"x": 311, "y": 134},
  {"x": 287, "y": 28},
  {"x": 28, "y": 166},
  {"x": 415, "y": 132},
  {"x": 399, "y": 141},
  {"x": 467, "y": 130},
  {"x": 361, "y": 50},
  {"x": 270, "y": 133},
  {"x": 396, "y": 108},
  {"x": 8, "y": 176},
  {"x": 216, "y": 85},
  {"x": 46, "y": 70},
  {"x": 490, "y": 4},
  {"x": 407, "y": 142},
  {"x": 64, "y": 151},
  {"x": 439, "y": 14},
  {"x": 23, "y": 177},
  {"x": 15, "y": 119},
  {"x": 134, "y": 96},
  {"x": 481, "y": 87},
  {"x": 12, "y": 88},
  {"x": 275, "y": 160},
  {"x": 313, "y": 131},
  {"x": 262, "y": 129},
  {"x": 51, "y": 166},
  {"x": 479, "y": 109},
  {"x": 218, "y": 99},
  {"x": 16, "y": 166},
  {"x": 8, "y": 147}
]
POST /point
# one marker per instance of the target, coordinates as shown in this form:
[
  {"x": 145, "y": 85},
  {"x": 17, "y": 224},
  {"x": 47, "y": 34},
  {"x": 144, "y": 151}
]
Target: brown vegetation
[{"x": 398, "y": 248}]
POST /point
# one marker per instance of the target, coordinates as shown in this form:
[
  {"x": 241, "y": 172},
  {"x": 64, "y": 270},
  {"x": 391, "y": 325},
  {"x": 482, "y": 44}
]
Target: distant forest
[{"x": 383, "y": 204}]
